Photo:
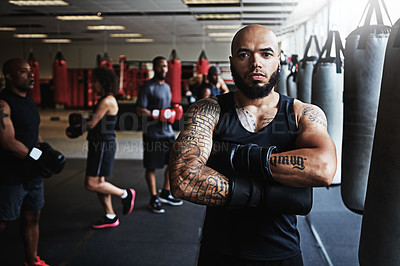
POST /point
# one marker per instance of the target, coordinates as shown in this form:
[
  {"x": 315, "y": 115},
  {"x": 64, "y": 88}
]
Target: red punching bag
[
  {"x": 122, "y": 75},
  {"x": 174, "y": 77},
  {"x": 60, "y": 77},
  {"x": 202, "y": 64},
  {"x": 35, "y": 93},
  {"x": 106, "y": 62}
]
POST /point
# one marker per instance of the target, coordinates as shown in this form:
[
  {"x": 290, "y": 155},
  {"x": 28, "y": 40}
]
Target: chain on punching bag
[
  {"x": 365, "y": 54},
  {"x": 174, "y": 77},
  {"x": 327, "y": 92},
  {"x": 35, "y": 93},
  {"x": 291, "y": 85},
  {"x": 305, "y": 70},
  {"x": 281, "y": 86},
  {"x": 60, "y": 77},
  {"x": 380, "y": 241}
]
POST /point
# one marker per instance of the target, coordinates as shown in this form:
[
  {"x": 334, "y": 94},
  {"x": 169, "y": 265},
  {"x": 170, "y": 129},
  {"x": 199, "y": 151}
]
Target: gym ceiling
[{"x": 157, "y": 21}]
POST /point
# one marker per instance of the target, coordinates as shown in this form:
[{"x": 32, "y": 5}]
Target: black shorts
[
  {"x": 156, "y": 152},
  {"x": 28, "y": 196},
  {"x": 100, "y": 159}
]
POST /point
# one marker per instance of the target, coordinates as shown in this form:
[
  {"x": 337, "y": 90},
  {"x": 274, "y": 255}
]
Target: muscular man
[
  {"x": 154, "y": 102},
  {"x": 21, "y": 184},
  {"x": 272, "y": 149},
  {"x": 206, "y": 85}
]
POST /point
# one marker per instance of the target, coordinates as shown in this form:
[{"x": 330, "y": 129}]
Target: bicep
[
  {"x": 99, "y": 113},
  {"x": 6, "y": 126}
]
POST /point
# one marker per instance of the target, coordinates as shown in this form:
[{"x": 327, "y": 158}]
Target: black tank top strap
[{"x": 288, "y": 104}]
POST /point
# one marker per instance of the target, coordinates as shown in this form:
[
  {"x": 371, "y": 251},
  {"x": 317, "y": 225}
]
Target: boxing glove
[
  {"x": 77, "y": 125},
  {"x": 179, "y": 111},
  {"x": 251, "y": 183},
  {"x": 46, "y": 160},
  {"x": 168, "y": 115}
]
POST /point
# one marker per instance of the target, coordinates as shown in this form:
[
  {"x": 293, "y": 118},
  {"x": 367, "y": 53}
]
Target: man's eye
[{"x": 244, "y": 55}]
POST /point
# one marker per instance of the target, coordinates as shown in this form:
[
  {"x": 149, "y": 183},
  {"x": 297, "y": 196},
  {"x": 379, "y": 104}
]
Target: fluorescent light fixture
[
  {"x": 220, "y": 34},
  {"x": 30, "y": 36},
  {"x": 80, "y": 18},
  {"x": 222, "y": 27},
  {"x": 210, "y": 2},
  {"x": 222, "y": 39},
  {"x": 125, "y": 35},
  {"x": 106, "y": 27},
  {"x": 216, "y": 16},
  {"x": 56, "y": 40},
  {"x": 7, "y": 29},
  {"x": 139, "y": 40},
  {"x": 38, "y": 3}
]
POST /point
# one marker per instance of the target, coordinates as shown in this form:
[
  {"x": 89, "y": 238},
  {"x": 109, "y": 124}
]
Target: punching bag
[
  {"x": 380, "y": 241},
  {"x": 202, "y": 64},
  {"x": 60, "y": 77},
  {"x": 122, "y": 75},
  {"x": 291, "y": 78},
  {"x": 305, "y": 71},
  {"x": 365, "y": 54},
  {"x": 174, "y": 77},
  {"x": 281, "y": 86},
  {"x": 327, "y": 92},
  {"x": 35, "y": 93}
]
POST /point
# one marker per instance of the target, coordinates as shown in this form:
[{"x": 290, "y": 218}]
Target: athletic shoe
[
  {"x": 38, "y": 262},
  {"x": 128, "y": 202},
  {"x": 106, "y": 222},
  {"x": 166, "y": 197},
  {"x": 155, "y": 205}
]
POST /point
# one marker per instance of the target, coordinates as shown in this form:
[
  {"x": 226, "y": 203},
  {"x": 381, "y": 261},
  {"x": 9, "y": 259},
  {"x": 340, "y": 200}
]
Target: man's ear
[{"x": 8, "y": 76}]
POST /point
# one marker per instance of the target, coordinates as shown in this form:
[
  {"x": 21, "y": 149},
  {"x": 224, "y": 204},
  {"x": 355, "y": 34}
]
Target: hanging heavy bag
[
  {"x": 327, "y": 92},
  {"x": 379, "y": 241},
  {"x": 202, "y": 64},
  {"x": 34, "y": 64},
  {"x": 60, "y": 77},
  {"x": 174, "y": 77},
  {"x": 365, "y": 54},
  {"x": 291, "y": 78},
  {"x": 305, "y": 70},
  {"x": 281, "y": 86}
]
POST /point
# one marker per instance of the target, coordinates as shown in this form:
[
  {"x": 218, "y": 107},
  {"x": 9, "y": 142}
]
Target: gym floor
[{"x": 329, "y": 234}]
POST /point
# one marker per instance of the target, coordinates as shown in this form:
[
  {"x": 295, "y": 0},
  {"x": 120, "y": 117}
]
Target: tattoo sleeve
[
  {"x": 190, "y": 178},
  {"x": 2, "y": 115}
]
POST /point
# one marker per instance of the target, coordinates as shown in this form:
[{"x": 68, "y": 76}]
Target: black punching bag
[
  {"x": 327, "y": 92},
  {"x": 363, "y": 66},
  {"x": 380, "y": 230},
  {"x": 291, "y": 85},
  {"x": 305, "y": 71},
  {"x": 281, "y": 86}
]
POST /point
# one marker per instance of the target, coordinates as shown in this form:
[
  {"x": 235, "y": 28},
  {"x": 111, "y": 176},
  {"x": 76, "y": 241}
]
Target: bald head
[
  {"x": 11, "y": 65},
  {"x": 254, "y": 34}
]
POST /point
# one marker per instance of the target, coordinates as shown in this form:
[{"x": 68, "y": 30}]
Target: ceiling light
[
  {"x": 7, "y": 29},
  {"x": 106, "y": 27},
  {"x": 125, "y": 35},
  {"x": 38, "y": 3},
  {"x": 56, "y": 40},
  {"x": 139, "y": 40},
  {"x": 222, "y": 39},
  {"x": 77, "y": 18},
  {"x": 210, "y": 2},
  {"x": 220, "y": 34},
  {"x": 216, "y": 16},
  {"x": 30, "y": 36},
  {"x": 221, "y": 27}
]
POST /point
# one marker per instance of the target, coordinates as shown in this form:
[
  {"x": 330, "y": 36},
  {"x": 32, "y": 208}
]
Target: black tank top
[
  {"x": 104, "y": 129},
  {"x": 252, "y": 233},
  {"x": 25, "y": 118}
]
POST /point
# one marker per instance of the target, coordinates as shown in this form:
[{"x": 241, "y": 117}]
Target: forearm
[
  {"x": 17, "y": 148},
  {"x": 308, "y": 167}
]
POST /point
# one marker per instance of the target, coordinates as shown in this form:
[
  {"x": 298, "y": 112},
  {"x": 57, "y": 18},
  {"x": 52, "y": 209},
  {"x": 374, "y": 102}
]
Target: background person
[{"x": 154, "y": 103}]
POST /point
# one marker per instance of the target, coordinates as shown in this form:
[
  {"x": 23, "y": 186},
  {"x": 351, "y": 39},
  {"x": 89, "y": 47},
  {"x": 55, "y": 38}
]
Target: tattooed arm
[
  {"x": 7, "y": 134},
  {"x": 313, "y": 163},
  {"x": 190, "y": 178}
]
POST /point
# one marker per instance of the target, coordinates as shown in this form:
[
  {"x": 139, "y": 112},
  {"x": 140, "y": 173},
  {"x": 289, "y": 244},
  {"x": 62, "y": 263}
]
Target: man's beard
[
  {"x": 255, "y": 91},
  {"x": 160, "y": 76}
]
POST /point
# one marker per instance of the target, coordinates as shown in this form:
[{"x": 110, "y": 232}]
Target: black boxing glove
[
  {"x": 46, "y": 160},
  {"x": 77, "y": 125},
  {"x": 251, "y": 182}
]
